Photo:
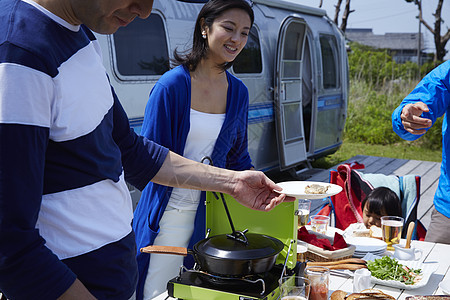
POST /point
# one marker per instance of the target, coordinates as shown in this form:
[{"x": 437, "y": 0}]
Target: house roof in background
[{"x": 390, "y": 40}]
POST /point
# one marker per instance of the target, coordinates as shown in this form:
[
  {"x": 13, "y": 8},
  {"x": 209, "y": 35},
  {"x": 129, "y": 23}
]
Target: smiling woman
[{"x": 187, "y": 115}]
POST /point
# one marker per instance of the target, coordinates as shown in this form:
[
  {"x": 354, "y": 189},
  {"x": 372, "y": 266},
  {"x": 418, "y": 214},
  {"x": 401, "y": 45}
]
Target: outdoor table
[{"x": 432, "y": 253}]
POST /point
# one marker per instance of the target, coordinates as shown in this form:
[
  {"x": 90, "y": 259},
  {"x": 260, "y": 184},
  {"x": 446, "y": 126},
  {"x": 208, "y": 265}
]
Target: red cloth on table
[{"x": 311, "y": 238}]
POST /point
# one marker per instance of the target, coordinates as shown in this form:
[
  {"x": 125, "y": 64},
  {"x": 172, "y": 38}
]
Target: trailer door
[{"x": 288, "y": 93}]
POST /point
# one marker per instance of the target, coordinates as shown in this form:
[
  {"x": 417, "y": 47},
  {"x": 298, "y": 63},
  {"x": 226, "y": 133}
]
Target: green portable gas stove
[{"x": 279, "y": 223}]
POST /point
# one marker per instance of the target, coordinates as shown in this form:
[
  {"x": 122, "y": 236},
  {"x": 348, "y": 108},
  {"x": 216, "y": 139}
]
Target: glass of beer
[
  {"x": 391, "y": 229},
  {"x": 304, "y": 207},
  {"x": 294, "y": 288}
]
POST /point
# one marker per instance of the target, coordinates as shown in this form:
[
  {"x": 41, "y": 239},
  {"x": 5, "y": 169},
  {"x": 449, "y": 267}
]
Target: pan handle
[
  {"x": 236, "y": 235},
  {"x": 165, "y": 250}
]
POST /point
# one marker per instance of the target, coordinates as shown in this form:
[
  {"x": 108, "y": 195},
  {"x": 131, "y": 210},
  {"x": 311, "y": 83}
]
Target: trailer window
[
  {"x": 141, "y": 48},
  {"x": 249, "y": 60},
  {"x": 329, "y": 51}
]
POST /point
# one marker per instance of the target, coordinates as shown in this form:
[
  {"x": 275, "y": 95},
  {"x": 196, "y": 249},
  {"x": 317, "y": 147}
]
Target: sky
[{"x": 390, "y": 16}]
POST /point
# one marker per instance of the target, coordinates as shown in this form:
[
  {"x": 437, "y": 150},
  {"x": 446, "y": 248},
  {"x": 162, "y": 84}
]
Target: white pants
[{"x": 176, "y": 228}]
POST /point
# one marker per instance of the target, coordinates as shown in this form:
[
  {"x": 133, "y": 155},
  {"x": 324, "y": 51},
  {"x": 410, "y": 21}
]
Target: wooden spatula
[{"x": 409, "y": 234}]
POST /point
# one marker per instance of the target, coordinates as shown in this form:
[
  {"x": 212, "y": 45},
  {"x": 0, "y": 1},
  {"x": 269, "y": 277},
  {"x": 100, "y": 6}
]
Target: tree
[
  {"x": 336, "y": 13},
  {"x": 439, "y": 41},
  {"x": 345, "y": 16}
]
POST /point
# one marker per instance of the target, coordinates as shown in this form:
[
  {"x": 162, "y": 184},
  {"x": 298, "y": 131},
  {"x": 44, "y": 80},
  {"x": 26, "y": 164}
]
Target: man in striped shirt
[{"x": 66, "y": 149}]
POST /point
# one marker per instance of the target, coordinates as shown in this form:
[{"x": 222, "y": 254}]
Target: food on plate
[
  {"x": 316, "y": 189},
  {"x": 357, "y": 230},
  {"x": 387, "y": 268},
  {"x": 361, "y": 233},
  {"x": 375, "y": 232},
  {"x": 360, "y": 230},
  {"x": 338, "y": 295},
  {"x": 369, "y": 294},
  {"x": 433, "y": 297}
]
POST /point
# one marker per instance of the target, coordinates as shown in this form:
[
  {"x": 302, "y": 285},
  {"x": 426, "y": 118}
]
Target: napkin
[{"x": 311, "y": 238}]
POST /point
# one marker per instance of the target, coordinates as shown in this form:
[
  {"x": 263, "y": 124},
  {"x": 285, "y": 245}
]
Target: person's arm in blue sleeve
[
  {"x": 409, "y": 121},
  {"x": 141, "y": 158},
  {"x": 427, "y": 102},
  {"x": 28, "y": 269}
]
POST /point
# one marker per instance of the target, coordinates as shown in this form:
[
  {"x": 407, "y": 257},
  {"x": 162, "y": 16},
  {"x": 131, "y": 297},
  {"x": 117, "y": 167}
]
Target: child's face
[{"x": 369, "y": 218}]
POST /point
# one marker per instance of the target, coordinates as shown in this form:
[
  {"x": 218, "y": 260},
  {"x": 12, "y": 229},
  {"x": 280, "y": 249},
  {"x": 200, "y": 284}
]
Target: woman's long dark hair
[{"x": 209, "y": 12}]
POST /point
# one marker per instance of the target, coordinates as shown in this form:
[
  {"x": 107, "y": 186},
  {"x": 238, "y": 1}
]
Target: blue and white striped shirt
[{"x": 65, "y": 150}]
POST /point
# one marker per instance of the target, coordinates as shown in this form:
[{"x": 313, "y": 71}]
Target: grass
[{"x": 403, "y": 150}]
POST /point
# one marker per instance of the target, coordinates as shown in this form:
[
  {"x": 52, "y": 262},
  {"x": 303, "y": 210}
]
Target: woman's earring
[{"x": 204, "y": 34}]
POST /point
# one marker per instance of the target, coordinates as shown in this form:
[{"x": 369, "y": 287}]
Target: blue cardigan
[{"x": 166, "y": 122}]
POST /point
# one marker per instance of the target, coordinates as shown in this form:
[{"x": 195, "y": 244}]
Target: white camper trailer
[{"x": 294, "y": 65}]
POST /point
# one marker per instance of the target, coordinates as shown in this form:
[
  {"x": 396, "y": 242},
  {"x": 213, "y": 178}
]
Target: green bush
[
  {"x": 369, "y": 115},
  {"x": 376, "y": 67},
  {"x": 428, "y": 66}
]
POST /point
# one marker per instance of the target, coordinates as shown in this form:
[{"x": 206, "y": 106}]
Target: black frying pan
[{"x": 223, "y": 256}]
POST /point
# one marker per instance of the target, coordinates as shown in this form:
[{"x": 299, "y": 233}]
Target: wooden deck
[{"x": 429, "y": 172}]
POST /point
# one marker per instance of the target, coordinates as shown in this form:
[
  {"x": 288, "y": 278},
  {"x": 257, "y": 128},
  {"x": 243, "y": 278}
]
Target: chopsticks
[{"x": 345, "y": 264}]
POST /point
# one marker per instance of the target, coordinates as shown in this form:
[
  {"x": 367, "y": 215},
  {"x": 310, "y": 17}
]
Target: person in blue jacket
[
  {"x": 430, "y": 100},
  {"x": 66, "y": 149},
  {"x": 197, "y": 109}
]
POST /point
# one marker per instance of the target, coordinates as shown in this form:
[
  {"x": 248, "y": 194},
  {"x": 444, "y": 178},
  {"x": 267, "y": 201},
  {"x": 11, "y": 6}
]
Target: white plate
[
  {"x": 427, "y": 270},
  {"x": 376, "y": 251},
  {"x": 362, "y": 254},
  {"x": 359, "y": 255},
  {"x": 365, "y": 252},
  {"x": 445, "y": 286},
  {"x": 367, "y": 244},
  {"x": 297, "y": 189}
]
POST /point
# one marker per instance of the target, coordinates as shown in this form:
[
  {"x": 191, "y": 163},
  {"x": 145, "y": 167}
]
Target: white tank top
[{"x": 202, "y": 136}]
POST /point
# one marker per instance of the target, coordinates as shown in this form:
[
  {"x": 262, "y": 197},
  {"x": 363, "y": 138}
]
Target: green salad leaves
[{"x": 387, "y": 268}]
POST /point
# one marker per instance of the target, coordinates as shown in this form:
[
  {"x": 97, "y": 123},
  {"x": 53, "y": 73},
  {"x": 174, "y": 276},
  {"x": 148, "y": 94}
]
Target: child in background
[{"x": 381, "y": 201}]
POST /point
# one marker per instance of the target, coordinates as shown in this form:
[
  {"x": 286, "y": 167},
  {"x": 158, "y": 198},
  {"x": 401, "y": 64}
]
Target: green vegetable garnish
[{"x": 387, "y": 268}]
